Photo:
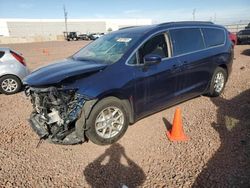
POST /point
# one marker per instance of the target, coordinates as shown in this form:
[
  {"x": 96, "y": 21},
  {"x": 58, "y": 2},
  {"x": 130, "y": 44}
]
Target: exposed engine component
[{"x": 55, "y": 113}]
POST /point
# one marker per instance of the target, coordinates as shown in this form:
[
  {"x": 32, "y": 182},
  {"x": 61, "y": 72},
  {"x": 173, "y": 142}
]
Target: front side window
[
  {"x": 213, "y": 36},
  {"x": 108, "y": 48},
  {"x": 186, "y": 40},
  {"x": 156, "y": 45}
]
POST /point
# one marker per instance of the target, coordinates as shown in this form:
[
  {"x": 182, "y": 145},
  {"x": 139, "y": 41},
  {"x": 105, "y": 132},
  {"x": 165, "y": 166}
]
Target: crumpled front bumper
[
  {"x": 69, "y": 138},
  {"x": 38, "y": 126},
  {"x": 55, "y": 118}
]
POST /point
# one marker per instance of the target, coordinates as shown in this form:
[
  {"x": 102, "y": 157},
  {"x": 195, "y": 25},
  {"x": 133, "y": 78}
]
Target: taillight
[{"x": 18, "y": 58}]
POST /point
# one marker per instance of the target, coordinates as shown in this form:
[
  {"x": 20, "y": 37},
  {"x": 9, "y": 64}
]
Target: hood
[{"x": 55, "y": 73}]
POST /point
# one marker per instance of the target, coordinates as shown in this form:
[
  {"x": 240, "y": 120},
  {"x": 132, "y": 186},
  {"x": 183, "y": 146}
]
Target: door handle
[
  {"x": 175, "y": 66},
  {"x": 178, "y": 67}
]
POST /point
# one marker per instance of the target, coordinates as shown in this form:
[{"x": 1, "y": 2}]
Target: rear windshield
[
  {"x": 245, "y": 32},
  {"x": 1, "y": 54},
  {"x": 213, "y": 36}
]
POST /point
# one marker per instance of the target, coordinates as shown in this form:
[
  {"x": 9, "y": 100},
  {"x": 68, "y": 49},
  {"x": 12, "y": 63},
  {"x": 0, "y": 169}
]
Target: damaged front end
[{"x": 57, "y": 114}]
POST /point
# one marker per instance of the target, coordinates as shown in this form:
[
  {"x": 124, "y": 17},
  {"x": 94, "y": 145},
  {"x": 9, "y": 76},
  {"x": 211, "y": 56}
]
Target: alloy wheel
[
  {"x": 109, "y": 122},
  {"x": 219, "y": 82},
  {"x": 9, "y": 85}
]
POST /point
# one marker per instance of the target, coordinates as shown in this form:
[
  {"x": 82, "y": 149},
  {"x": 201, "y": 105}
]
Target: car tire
[
  {"x": 218, "y": 82},
  {"x": 10, "y": 84},
  {"x": 111, "y": 111}
]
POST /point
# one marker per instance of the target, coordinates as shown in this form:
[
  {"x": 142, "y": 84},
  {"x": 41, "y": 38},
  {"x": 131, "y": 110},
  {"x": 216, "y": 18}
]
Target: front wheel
[
  {"x": 218, "y": 82},
  {"x": 108, "y": 121}
]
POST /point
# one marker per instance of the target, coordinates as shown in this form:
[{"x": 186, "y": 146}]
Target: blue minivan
[{"x": 124, "y": 76}]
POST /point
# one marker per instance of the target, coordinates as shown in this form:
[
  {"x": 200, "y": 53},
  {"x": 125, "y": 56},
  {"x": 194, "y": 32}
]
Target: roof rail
[
  {"x": 185, "y": 22},
  {"x": 128, "y": 27}
]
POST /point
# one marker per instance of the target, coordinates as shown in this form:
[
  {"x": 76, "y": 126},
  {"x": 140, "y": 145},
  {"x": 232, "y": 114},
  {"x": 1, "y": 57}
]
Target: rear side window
[
  {"x": 1, "y": 54},
  {"x": 213, "y": 36},
  {"x": 186, "y": 40}
]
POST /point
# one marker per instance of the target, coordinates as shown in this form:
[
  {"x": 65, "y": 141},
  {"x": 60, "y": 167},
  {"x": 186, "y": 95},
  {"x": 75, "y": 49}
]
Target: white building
[{"x": 55, "y": 27}]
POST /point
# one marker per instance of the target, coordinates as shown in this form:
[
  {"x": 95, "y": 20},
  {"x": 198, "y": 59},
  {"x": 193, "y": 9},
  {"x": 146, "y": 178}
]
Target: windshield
[{"x": 108, "y": 48}]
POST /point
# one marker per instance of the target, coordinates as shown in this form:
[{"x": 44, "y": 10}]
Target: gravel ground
[{"x": 217, "y": 154}]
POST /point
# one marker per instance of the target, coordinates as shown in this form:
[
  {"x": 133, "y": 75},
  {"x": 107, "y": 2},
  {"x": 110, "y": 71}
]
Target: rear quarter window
[
  {"x": 213, "y": 36},
  {"x": 1, "y": 54},
  {"x": 246, "y": 32},
  {"x": 186, "y": 40}
]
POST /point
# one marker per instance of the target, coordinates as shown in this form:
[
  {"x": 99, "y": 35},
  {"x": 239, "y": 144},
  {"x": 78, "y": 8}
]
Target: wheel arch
[
  {"x": 9, "y": 74},
  {"x": 224, "y": 66},
  {"x": 126, "y": 101}
]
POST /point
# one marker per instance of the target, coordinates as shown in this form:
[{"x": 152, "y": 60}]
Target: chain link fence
[{"x": 234, "y": 28}]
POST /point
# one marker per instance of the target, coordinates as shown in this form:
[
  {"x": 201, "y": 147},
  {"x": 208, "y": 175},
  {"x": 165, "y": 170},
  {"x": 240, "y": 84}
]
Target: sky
[{"x": 220, "y": 11}]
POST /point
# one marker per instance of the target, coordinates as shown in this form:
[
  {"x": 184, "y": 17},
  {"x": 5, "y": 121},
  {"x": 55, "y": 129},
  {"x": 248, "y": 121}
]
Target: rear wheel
[
  {"x": 218, "y": 82},
  {"x": 10, "y": 84},
  {"x": 107, "y": 122}
]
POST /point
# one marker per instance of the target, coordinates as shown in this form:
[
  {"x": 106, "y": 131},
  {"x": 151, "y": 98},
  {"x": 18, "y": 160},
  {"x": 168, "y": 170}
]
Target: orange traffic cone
[
  {"x": 177, "y": 133},
  {"x": 45, "y": 51}
]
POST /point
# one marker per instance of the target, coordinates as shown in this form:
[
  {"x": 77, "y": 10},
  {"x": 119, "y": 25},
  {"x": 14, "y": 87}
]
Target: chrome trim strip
[{"x": 165, "y": 31}]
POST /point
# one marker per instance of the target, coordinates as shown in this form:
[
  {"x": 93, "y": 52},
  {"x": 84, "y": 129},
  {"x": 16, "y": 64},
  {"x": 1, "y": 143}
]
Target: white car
[{"x": 12, "y": 70}]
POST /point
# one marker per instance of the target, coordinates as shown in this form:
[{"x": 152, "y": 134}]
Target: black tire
[
  {"x": 12, "y": 77},
  {"x": 212, "y": 91},
  {"x": 91, "y": 132}
]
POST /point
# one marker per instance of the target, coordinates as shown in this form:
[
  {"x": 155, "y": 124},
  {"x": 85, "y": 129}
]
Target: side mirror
[{"x": 151, "y": 59}]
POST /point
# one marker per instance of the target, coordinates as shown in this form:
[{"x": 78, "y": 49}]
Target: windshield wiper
[
  {"x": 88, "y": 59},
  {"x": 82, "y": 59}
]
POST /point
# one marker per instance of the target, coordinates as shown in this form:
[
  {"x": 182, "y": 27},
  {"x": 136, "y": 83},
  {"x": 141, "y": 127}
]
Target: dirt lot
[{"x": 217, "y": 154}]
